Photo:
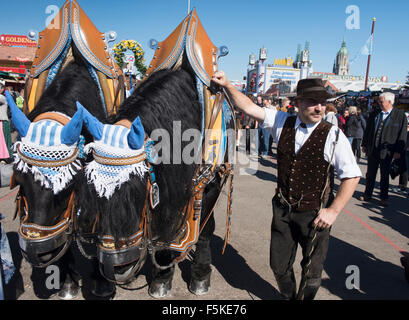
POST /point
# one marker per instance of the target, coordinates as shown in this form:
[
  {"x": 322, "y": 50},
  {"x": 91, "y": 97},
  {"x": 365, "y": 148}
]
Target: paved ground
[{"x": 366, "y": 241}]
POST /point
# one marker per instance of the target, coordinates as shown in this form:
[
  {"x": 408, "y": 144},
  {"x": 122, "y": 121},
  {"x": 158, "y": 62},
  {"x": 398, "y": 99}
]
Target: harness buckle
[{"x": 197, "y": 207}]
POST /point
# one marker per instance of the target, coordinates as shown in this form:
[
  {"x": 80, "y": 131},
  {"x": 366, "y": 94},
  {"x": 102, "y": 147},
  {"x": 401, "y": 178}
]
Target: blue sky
[{"x": 246, "y": 26}]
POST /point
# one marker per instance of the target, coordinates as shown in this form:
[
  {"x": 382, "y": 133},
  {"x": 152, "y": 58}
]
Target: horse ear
[
  {"x": 136, "y": 136},
  {"x": 72, "y": 130},
  {"x": 20, "y": 120},
  {"x": 94, "y": 126}
]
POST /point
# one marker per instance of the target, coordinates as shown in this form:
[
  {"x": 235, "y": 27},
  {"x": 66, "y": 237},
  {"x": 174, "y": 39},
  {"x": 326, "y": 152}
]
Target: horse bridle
[{"x": 36, "y": 240}]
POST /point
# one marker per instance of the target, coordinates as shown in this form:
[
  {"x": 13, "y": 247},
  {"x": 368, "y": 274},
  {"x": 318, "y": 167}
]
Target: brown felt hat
[{"x": 312, "y": 89}]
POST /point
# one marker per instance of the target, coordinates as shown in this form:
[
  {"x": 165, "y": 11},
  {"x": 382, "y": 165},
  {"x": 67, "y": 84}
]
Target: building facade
[{"x": 16, "y": 58}]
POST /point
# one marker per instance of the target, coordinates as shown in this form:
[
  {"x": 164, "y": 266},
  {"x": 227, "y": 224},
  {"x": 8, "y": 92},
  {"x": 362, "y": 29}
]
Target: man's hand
[
  {"x": 396, "y": 155},
  {"x": 325, "y": 219},
  {"x": 220, "y": 78},
  {"x": 364, "y": 150},
  {"x": 242, "y": 102}
]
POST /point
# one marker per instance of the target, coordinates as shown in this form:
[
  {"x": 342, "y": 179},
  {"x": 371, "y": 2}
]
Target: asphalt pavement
[{"x": 363, "y": 261}]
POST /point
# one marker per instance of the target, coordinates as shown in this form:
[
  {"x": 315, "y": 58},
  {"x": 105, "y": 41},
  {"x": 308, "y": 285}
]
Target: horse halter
[
  {"x": 128, "y": 252},
  {"x": 38, "y": 240}
]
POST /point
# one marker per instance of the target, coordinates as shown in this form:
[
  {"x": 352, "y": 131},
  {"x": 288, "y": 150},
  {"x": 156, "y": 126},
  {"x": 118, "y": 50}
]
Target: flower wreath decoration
[{"x": 119, "y": 54}]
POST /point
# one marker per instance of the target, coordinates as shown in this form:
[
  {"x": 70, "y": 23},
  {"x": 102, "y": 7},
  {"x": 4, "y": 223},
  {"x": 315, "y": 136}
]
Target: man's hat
[{"x": 312, "y": 89}]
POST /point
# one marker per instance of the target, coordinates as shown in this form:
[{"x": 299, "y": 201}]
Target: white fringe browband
[
  {"x": 107, "y": 178},
  {"x": 51, "y": 178}
]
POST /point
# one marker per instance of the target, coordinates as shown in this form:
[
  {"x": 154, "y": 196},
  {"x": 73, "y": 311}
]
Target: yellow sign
[{"x": 284, "y": 62}]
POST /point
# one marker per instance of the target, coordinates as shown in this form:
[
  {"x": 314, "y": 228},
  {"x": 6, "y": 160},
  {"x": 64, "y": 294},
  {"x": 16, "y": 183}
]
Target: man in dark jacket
[{"x": 384, "y": 139}]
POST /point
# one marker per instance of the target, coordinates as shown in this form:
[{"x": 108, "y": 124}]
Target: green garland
[{"x": 135, "y": 47}]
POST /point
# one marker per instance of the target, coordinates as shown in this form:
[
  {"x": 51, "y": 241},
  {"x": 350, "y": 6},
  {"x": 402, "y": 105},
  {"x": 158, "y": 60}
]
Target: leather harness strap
[
  {"x": 34, "y": 231},
  {"x": 62, "y": 119}
]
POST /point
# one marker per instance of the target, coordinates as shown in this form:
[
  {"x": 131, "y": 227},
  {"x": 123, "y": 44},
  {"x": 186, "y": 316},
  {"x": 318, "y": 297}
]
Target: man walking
[
  {"x": 384, "y": 139},
  {"x": 304, "y": 207}
]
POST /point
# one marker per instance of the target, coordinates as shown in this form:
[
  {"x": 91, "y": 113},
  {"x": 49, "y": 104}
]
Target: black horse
[
  {"x": 166, "y": 99},
  {"x": 44, "y": 206}
]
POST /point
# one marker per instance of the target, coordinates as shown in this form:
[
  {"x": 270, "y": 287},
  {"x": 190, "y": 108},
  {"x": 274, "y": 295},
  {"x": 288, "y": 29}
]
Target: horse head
[
  {"x": 46, "y": 161},
  {"x": 126, "y": 194},
  {"x": 116, "y": 181}
]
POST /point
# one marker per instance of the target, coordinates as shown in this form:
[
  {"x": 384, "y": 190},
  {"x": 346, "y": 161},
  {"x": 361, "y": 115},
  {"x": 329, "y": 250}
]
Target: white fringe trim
[
  {"x": 56, "y": 182},
  {"x": 105, "y": 185}
]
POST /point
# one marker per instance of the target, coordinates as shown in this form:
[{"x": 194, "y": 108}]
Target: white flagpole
[{"x": 188, "y": 6}]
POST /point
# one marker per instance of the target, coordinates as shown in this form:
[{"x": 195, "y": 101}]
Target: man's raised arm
[{"x": 239, "y": 99}]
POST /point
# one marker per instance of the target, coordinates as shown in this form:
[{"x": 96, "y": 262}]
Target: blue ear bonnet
[
  {"x": 114, "y": 135},
  {"x": 136, "y": 137},
  {"x": 20, "y": 121},
  {"x": 45, "y": 132}
]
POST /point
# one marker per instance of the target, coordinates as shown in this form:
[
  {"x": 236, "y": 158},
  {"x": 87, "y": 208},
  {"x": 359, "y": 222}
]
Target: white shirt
[
  {"x": 344, "y": 160},
  {"x": 385, "y": 114}
]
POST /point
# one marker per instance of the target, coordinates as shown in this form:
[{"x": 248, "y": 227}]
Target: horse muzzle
[
  {"x": 41, "y": 246},
  {"x": 120, "y": 264}
]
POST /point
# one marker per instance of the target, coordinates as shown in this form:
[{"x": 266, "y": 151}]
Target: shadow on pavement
[
  {"x": 378, "y": 279},
  {"x": 237, "y": 273}
]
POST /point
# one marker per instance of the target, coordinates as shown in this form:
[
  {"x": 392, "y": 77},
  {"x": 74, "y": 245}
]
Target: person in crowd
[
  {"x": 20, "y": 100},
  {"x": 291, "y": 108},
  {"x": 384, "y": 139},
  {"x": 265, "y": 134},
  {"x": 330, "y": 114},
  {"x": 249, "y": 124},
  {"x": 403, "y": 177},
  {"x": 6, "y": 152},
  {"x": 304, "y": 207},
  {"x": 260, "y": 103},
  {"x": 357, "y": 142},
  {"x": 352, "y": 125},
  {"x": 285, "y": 104},
  {"x": 342, "y": 120}
]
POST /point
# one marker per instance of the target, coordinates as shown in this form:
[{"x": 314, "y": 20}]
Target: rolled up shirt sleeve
[
  {"x": 269, "y": 120},
  {"x": 344, "y": 160}
]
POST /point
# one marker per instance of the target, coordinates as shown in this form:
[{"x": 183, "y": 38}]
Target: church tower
[{"x": 341, "y": 64}]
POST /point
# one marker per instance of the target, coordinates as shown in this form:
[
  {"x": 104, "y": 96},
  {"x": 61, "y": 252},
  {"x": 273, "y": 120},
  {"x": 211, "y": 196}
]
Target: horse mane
[
  {"x": 166, "y": 96},
  {"x": 73, "y": 83}
]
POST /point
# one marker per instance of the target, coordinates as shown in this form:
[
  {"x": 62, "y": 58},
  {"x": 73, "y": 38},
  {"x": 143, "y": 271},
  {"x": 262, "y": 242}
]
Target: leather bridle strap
[{"x": 47, "y": 231}]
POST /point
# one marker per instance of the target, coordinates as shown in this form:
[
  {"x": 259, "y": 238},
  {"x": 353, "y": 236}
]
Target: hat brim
[{"x": 316, "y": 95}]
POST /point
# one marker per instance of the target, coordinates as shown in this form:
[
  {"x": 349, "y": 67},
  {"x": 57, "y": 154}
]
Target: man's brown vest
[{"x": 302, "y": 177}]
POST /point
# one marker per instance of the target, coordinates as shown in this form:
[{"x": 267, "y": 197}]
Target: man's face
[
  {"x": 311, "y": 111},
  {"x": 259, "y": 100},
  {"x": 385, "y": 104}
]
